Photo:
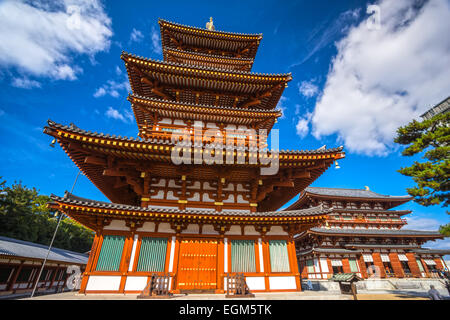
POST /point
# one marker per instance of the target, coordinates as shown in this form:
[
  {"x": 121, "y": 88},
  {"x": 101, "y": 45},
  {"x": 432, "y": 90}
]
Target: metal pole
[{"x": 51, "y": 243}]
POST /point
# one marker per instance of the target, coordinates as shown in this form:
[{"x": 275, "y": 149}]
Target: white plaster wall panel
[
  {"x": 255, "y": 283},
  {"x": 179, "y": 122},
  {"x": 250, "y": 230},
  {"x": 229, "y": 187},
  {"x": 133, "y": 252},
  {"x": 166, "y": 120},
  {"x": 324, "y": 264},
  {"x": 161, "y": 183},
  {"x": 230, "y": 127},
  {"x": 234, "y": 230},
  {"x": 103, "y": 283},
  {"x": 172, "y": 254},
  {"x": 196, "y": 185},
  {"x": 276, "y": 231},
  {"x": 240, "y": 187},
  {"x": 230, "y": 199},
  {"x": 192, "y": 228},
  {"x": 206, "y": 198},
  {"x": 282, "y": 283},
  {"x": 165, "y": 227},
  {"x": 206, "y": 186},
  {"x": 159, "y": 195},
  {"x": 195, "y": 197},
  {"x": 242, "y": 127},
  {"x": 208, "y": 229},
  {"x": 211, "y": 125},
  {"x": 147, "y": 227},
  {"x": 117, "y": 225},
  {"x": 172, "y": 184},
  {"x": 135, "y": 283},
  {"x": 171, "y": 196},
  {"x": 240, "y": 199}
]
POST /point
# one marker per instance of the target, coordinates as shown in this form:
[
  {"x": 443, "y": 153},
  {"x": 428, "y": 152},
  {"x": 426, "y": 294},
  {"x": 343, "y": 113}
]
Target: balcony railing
[{"x": 368, "y": 221}]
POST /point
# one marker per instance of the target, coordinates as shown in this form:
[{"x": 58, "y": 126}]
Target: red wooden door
[{"x": 197, "y": 264}]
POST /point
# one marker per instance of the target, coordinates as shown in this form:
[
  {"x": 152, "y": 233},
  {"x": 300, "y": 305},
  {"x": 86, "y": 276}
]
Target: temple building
[
  {"x": 364, "y": 235},
  {"x": 177, "y": 207}
]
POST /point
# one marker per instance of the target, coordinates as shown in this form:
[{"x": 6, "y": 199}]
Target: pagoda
[
  {"x": 364, "y": 235},
  {"x": 173, "y": 211}
]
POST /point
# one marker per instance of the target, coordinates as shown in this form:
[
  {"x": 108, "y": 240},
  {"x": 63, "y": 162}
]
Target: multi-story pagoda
[
  {"x": 196, "y": 220},
  {"x": 365, "y": 236}
]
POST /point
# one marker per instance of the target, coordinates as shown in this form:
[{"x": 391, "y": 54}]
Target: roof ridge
[
  {"x": 257, "y": 35},
  {"x": 203, "y": 68}
]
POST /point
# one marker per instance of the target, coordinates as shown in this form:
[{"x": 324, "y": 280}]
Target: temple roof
[
  {"x": 207, "y": 60},
  {"x": 340, "y": 194},
  {"x": 351, "y": 193},
  {"x": 377, "y": 232},
  {"x": 14, "y": 248},
  {"x": 327, "y": 250},
  {"x": 432, "y": 251},
  {"x": 144, "y": 109},
  {"x": 75, "y": 200},
  {"x": 105, "y": 158},
  {"x": 87, "y": 211},
  {"x": 201, "y": 85},
  {"x": 174, "y": 35}
]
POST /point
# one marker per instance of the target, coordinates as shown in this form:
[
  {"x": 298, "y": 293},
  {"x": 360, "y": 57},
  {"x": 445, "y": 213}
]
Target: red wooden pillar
[
  {"x": 55, "y": 272},
  {"x": 396, "y": 265},
  {"x": 377, "y": 262},
  {"x": 90, "y": 264},
  {"x": 439, "y": 265},
  {"x": 13, "y": 280},
  {"x": 346, "y": 265},
  {"x": 220, "y": 265},
  {"x": 425, "y": 268},
  {"x": 413, "y": 266},
  {"x": 293, "y": 263},
  {"x": 362, "y": 267}
]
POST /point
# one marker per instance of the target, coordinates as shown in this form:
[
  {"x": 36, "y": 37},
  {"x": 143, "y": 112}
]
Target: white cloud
[
  {"x": 39, "y": 38},
  {"x": 425, "y": 224},
  {"x": 280, "y": 106},
  {"x": 126, "y": 116},
  {"x": 156, "y": 41},
  {"x": 381, "y": 79},
  {"x": 308, "y": 89},
  {"x": 25, "y": 83},
  {"x": 112, "y": 88},
  {"x": 302, "y": 127},
  {"x": 136, "y": 36}
]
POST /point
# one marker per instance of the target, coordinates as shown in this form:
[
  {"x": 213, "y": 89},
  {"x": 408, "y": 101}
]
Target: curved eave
[
  {"x": 86, "y": 211},
  {"x": 145, "y": 107},
  {"x": 198, "y": 38},
  {"x": 359, "y": 233},
  {"x": 207, "y": 60},
  {"x": 214, "y": 86},
  {"x": 303, "y": 198}
]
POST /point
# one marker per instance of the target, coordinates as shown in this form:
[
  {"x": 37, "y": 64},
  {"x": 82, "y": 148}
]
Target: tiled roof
[
  {"x": 74, "y": 200},
  {"x": 375, "y": 232},
  {"x": 328, "y": 250},
  {"x": 344, "y": 277},
  {"x": 351, "y": 193},
  {"x": 19, "y": 248},
  {"x": 74, "y": 129},
  {"x": 432, "y": 251}
]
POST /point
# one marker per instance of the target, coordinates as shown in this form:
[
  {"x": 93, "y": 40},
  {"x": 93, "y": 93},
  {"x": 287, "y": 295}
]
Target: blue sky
[{"x": 354, "y": 81}]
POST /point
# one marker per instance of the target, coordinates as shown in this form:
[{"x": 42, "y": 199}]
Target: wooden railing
[
  {"x": 370, "y": 221},
  {"x": 157, "y": 287},
  {"x": 237, "y": 286}
]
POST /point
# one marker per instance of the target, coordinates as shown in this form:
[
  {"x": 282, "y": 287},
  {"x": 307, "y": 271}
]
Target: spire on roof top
[{"x": 210, "y": 24}]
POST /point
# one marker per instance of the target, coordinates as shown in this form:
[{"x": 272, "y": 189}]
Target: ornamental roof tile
[
  {"x": 74, "y": 200},
  {"x": 351, "y": 193},
  {"x": 375, "y": 232},
  {"x": 19, "y": 248}
]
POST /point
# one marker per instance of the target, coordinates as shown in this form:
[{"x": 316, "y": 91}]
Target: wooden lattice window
[
  {"x": 243, "y": 256},
  {"x": 111, "y": 253},
  {"x": 152, "y": 255}
]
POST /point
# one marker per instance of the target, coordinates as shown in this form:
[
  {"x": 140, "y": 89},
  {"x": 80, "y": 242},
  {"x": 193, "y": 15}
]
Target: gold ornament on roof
[{"x": 210, "y": 24}]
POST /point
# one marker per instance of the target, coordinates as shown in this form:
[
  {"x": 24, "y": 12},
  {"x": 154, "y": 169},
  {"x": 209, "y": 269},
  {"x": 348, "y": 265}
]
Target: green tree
[
  {"x": 432, "y": 176},
  {"x": 24, "y": 215}
]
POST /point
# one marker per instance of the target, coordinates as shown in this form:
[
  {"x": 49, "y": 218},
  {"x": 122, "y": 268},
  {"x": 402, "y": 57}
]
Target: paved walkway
[{"x": 305, "y": 295}]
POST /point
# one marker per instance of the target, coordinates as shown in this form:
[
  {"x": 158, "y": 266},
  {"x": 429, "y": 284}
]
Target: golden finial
[{"x": 210, "y": 24}]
